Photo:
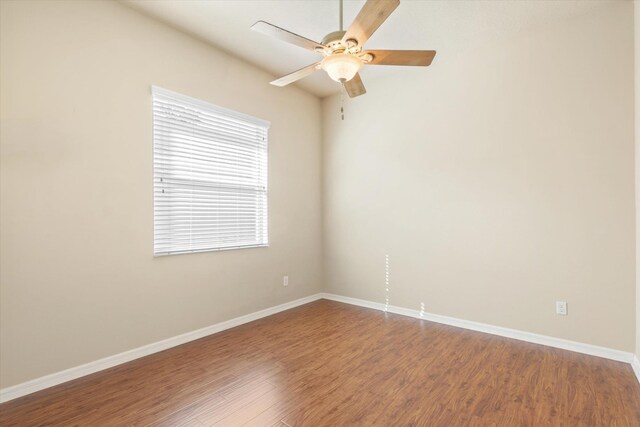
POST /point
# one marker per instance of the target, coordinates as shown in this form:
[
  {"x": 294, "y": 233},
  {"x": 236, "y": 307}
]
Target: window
[{"x": 209, "y": 174}]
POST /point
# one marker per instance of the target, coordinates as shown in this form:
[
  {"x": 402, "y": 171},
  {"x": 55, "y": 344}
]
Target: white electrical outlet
[
  {"x": 285, "y": 281},
  {"x": 561, "y": 308}
]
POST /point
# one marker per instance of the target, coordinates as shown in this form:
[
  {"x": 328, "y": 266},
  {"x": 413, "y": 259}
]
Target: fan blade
[
  {"x": 402, "y": 57},
  {"x": 355, "y": 87},
  {"x": 284, "y": 35},
  {"x": 296, "y": 75},
  {"x": 370, "y": 17}
]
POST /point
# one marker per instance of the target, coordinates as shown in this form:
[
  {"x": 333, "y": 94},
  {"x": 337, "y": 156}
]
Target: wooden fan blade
[
  {"x": 402, "y": 57},
  {"x": 284, "y": 35},
  {"x": 296, "y": 75},
  {"x": 355, "y": 87},
  {"x": 370, "y": 17}
]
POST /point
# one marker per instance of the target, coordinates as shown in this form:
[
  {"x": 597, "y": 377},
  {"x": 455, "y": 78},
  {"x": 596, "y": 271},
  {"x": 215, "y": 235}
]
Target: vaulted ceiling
[{"x": 450, "y": 27}]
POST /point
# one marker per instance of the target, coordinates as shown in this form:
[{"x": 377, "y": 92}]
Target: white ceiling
[{"x": 449, "y": 27}]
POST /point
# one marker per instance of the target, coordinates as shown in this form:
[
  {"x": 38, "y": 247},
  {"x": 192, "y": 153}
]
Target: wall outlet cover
[{"x": 561, "y": 308}]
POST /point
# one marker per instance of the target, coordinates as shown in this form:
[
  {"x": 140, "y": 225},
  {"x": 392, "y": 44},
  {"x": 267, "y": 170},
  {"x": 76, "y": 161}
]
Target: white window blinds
[{"x": 210, "y": 176}]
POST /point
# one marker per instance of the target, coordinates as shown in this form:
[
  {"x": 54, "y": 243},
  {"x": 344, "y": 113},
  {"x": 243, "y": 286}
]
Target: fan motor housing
[
  {"x": 333, "y": 38},
  {"x": 334, "y": 42}
]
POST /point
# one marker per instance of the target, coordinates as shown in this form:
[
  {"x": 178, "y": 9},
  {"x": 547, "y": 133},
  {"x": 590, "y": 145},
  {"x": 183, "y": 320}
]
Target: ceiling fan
[{"x": 343, "y": 50}]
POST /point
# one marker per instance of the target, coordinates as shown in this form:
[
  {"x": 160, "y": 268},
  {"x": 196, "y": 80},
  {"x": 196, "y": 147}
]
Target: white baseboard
[
  {"x": 607, "y": 353},
  {"x": 56, "y": 378},
  {"x": 635, "y": 364}
]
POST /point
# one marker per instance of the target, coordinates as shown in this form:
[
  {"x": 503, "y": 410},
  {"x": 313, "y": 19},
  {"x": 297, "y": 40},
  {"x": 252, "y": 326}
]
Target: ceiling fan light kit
[
  {"x": 341, "y": 67},
  {"x": 342, "y": 50}
]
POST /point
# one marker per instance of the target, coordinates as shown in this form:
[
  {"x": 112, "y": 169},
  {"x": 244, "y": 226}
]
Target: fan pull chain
[{"x": 342, "y": 100}]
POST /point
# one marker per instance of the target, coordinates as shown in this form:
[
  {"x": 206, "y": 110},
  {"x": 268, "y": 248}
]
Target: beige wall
[
  {"x": 498, "y": 181},
  {"x": 79, "y": 280}
]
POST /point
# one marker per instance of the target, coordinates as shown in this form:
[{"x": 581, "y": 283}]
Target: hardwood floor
[{"x": 331, "y": 364}]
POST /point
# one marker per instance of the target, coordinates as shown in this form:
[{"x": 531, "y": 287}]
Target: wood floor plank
[
  {"x": 244, "y": 414},
  {"x": 331, "y": 364},
  {"x": 239, "y": 402}
]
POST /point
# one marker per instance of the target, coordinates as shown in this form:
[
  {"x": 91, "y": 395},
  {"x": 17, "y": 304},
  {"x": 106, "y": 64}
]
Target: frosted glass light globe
[{"x": 341, "y": 66}]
